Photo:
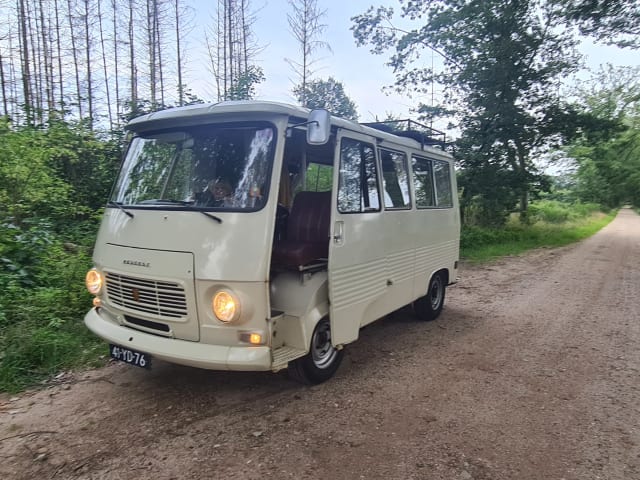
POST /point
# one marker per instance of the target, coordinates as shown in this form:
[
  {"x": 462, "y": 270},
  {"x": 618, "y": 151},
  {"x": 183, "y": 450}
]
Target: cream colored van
[{"x": 260, "y": 236}]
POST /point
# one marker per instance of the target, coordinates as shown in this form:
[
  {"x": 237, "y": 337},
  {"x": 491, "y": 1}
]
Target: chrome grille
[{"x": 164, "y": 299}]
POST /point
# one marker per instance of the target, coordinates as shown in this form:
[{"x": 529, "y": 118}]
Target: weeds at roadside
[{"x": 553, "y": 228}]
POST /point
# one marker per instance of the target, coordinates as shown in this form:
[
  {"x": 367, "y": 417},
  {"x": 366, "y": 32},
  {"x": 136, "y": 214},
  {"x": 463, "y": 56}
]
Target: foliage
[
  {"x": 328, "y": 94},
  {"x": 503, "y": 62},
  {"x": 41, "y": 329},
  {"x": 609, "y": 21},
  {"x": 53, "y": 182},
  {"x": 552, "y": 211},
  {"x": 244, "y": 86},
  {"x": 482, "y": 243},
  {"x": 608, "y": 162}
]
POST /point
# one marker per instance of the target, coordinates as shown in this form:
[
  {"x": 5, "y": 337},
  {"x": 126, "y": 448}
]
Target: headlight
[
  {"x": 93, "y": 281},
  {"x": 226, "y": 306}
]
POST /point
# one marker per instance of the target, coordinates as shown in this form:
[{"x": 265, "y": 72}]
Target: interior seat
[{"x": 307, "y": 231}]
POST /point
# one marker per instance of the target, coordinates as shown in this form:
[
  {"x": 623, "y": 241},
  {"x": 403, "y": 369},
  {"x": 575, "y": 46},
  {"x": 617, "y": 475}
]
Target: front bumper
[{"x": 193, "y": 354}]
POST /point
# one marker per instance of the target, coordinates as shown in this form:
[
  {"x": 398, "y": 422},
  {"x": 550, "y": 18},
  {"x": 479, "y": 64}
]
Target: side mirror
[{"x": 318, "y": 127}]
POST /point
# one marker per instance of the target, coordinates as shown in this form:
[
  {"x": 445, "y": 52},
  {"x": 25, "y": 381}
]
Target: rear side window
[
  {"x": 395, "y": 179},
  {"x": 319, "y": 178},
  {"x": 442, "y": 177},
  {"x": 358, "y": 180},
  {"x": 423, "y": 182}
]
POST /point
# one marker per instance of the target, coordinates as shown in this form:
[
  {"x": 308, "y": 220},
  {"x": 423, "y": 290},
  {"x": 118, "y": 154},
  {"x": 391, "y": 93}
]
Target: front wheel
[
  {"x": 429, "y": 307},
  {"x": 323, "y": 358}
]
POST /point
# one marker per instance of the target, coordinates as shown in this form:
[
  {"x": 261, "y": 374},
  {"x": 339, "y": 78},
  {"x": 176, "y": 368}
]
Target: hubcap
[
  {"x": 322, "y": 352},
  {"x": 435, "y": 293}
]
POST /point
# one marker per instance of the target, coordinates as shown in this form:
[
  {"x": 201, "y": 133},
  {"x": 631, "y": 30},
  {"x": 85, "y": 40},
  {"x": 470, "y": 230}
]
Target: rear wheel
[
  {"x": 323, "y": 358},
  {"x": 430, "y": 306}
]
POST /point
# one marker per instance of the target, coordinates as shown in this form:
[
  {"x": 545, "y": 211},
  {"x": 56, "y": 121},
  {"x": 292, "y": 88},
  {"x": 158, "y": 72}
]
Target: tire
[
  {"x": 429, "y": 307},
  {"x": 322, "y": 361}
]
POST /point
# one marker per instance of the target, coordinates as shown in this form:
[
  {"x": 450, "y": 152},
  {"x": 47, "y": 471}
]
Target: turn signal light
[{"x": 252, "y": 338}]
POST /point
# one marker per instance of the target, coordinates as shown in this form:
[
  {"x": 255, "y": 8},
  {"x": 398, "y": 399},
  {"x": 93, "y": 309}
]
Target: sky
[{"x": 362, "y": 73}]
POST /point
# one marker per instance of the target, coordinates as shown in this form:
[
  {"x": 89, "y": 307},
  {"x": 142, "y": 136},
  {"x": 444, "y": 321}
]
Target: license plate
[{"x": 129, "y": 356}]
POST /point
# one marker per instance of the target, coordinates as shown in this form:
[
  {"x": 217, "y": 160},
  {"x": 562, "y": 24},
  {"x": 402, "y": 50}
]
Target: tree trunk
[
  {"x": 158, "y": 39},
  {"x": 151, "y": 45},
  {"x": 179, "y": 56},
  {"x": 104, "y": 65},
  {"x": 26, "y": 71},
  {"x": 230, "y": 44},
  {"x": 74, "y": 52},
  {"x": 3, "y": 87},
  {"x": 132, "y": 61},
  {"x": 46, "y": 59},
  {"x": 38, "y": 88},
  {"x": 59, "y": 51},
  {"x": 115, "y": 55},
  {"x": 88, "y": 60}
]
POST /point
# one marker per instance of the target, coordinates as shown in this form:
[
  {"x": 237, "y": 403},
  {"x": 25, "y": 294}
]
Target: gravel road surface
[{"x": 531, "y": 372}]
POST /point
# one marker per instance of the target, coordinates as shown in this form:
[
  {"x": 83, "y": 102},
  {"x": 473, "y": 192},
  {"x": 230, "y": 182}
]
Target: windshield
[{"x": 212, "y": 167}]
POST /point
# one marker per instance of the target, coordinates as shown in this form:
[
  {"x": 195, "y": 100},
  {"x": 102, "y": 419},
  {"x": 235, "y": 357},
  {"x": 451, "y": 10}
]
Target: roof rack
[{"x": 411, "y": 129}]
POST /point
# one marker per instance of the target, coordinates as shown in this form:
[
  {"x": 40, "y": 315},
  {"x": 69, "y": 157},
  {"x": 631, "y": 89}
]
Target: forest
[{"x": 72, "y": 72}]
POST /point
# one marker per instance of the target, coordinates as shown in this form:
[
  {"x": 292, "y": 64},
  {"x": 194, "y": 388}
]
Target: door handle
[{"x": 338, "y": 232}]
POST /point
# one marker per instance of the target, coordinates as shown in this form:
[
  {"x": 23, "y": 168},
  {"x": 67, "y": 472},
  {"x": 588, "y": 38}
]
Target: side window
[
  {"x": 358, "y": 181},
  {"x": 423, "y": 182},
  {"x": 395, "y": 179},
  {"x": 442, "y": 176},
  {"x": 319, "y": 178}
]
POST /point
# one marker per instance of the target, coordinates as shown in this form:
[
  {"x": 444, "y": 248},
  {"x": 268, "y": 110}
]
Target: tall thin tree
[
  {"x": 305, "y": 24},
  {"x": 26, "y": 67},
  {"x": 104, "y": 65}
]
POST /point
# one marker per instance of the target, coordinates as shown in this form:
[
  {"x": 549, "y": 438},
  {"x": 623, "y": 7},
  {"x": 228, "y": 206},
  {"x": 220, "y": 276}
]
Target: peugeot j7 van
[{"x": 259, "y": 236}]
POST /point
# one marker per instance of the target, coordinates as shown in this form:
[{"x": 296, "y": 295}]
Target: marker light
[
  {"x": 252, "y": 337},
  {"x": 97, "y": 302},
  {"x": 226, "y": 306},
  {"x": 93, "y": 281}
]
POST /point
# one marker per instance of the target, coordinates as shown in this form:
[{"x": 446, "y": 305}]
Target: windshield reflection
[{"x": 205, "y": 167}]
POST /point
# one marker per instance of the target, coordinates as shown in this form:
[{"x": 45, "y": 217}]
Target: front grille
[{"x": 164, "y": 299}]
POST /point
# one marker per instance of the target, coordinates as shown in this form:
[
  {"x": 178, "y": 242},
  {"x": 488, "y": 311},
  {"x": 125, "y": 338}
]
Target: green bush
[
  {"x": 553, "y": 211},
  {"x": 479, "y": 244},
  {"x": 42, "y": 305},
  {"x": 53, "y": 182}
]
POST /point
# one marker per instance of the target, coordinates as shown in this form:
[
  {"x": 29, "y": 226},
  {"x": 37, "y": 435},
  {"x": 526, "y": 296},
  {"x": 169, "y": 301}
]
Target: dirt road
[{"x": 532, "y": 372}]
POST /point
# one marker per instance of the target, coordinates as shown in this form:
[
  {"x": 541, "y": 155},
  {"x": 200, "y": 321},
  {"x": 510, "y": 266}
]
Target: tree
[
  {"x": 243, "y": 86},
  {"x": 608, "y": 160},
  {"x": 503, "y": 64},
  {"x": 306, "y": 27},
  {"x": 613, "y": 22},
  {"x": 25, "y": 64},
  {"x": 330, "y": 95},
  {"x": 232, "y": 50}
]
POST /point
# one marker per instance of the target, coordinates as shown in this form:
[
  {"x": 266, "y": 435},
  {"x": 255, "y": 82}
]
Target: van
[{"x": 249, "y": 235}]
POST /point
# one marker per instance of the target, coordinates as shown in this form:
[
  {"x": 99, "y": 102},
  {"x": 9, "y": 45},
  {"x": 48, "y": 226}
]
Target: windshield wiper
[
  {"x": 119, "y": 206},
  {"x": 211, "y": 216},
  {"x": 166, "y": 201}
]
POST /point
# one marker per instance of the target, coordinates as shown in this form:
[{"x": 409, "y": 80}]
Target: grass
[
  {"x": 481, "y": 244},
  {"x": 33, "y": 353},
  {"x": 41, "y": 311}
]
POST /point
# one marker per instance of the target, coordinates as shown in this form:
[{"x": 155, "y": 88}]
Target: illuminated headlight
[
  {"x": 226, "y": 306},
  {"x": 93, "y": 281}
]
